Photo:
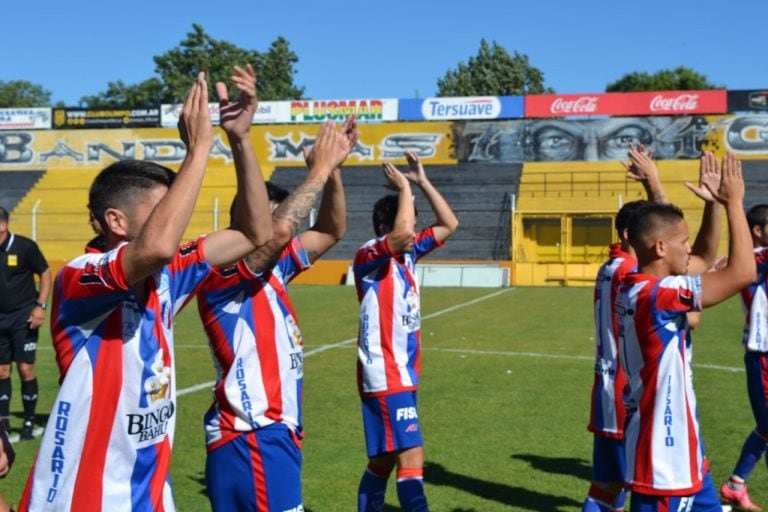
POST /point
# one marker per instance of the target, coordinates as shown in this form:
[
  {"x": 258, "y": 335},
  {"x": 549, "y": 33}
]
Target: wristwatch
[{"x": 41, "y": 305}]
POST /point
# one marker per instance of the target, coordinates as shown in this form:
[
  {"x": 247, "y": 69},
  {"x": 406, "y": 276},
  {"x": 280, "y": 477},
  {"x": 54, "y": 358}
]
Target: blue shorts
[
  {"x": 391, "y": 423},
  {"x": 608, "y": 461},
  {"x": 706, "y": 500},
  {"x": 756, "y": 365},
  {"x": 258, "y": 471}
]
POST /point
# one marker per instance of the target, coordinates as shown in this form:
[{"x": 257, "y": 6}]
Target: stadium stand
[{"x": 480, "y": 194}]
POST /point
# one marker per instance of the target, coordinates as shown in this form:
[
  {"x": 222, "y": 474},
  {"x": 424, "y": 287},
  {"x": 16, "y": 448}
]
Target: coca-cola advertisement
[{"x": 660, "y": 103}]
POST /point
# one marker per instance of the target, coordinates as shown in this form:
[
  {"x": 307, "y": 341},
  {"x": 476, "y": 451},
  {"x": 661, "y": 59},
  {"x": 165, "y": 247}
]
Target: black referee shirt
[{"x": 20, "y": 259}]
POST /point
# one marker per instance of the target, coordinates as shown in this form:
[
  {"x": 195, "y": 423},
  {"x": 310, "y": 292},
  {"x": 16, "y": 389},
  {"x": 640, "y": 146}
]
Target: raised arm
[
  {"x": 740, "y": 270},
  {"x": 252, "y": 226},
  {"x": 446, "y": 221},
  {"x": 328, "y": 153},
  {"x": 402, "y": 234},
  {"x": 642, "y": 168},
  {"x": 157, "y": 241},
  {"x": 704, "y": 249}
]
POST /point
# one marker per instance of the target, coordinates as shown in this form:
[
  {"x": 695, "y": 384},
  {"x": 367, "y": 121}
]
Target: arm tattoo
[{"x": 297, "y": 206}]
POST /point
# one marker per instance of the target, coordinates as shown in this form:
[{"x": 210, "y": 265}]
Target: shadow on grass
[
  {"x": 519, "y": 497},
  {"x": 558, "y": 465}
]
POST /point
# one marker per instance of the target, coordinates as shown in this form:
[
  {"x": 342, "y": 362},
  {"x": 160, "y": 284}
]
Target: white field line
[{"x": 323, "y": 348}]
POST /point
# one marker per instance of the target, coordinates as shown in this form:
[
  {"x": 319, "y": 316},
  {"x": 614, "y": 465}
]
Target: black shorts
[{"x": 17, "y": 341}]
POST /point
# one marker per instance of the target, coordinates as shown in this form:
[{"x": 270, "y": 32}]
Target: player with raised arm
[
  {"x": 755, "y": 301},
  {"x": 666, "y": 465},
  {"x": 107, "y": 445},
  {"x": 254, "y": 428},
  {"x": 607, "y": 416},
  {"x": 389, "y": 337}
]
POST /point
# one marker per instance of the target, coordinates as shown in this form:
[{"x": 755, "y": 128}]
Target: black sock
[
  {"x": 29, "y": 398},
  {"x": 5, "y": 400}
]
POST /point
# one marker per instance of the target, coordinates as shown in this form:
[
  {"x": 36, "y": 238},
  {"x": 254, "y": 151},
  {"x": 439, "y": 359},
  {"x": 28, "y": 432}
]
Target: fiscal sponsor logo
[
  {"x": 487, "y": 107},
  {"x": 579, "y": 106},
  {"x": 152, "y": 425},
  {"x": 679, "y": 103},
  {"x": 61, "y": 425},
  {"x": 406, "y": 413},
  {"x": 297, "y": 361}
]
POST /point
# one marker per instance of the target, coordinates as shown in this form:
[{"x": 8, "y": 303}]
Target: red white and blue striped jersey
[
  {"x": 389, "y": 337},
  {"x": 754, "y": 299},
  {"x": 256, "y": 345},
  {"x": 107, "y": 443},
  {"x": 665, "y": 455},
  {"x": 607, "y": 405}
]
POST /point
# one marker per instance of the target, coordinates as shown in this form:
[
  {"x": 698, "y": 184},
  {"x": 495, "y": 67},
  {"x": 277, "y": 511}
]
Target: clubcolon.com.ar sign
[{"x": 455, "y": 108}]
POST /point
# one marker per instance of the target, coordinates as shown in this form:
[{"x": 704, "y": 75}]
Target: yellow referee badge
[{"x": 13, "y": 260}]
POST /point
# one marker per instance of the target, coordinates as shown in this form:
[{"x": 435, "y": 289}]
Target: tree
[
  {"x": 493, "y": 72},
  {"x": 679, "y": 79},
  {"x": 200, "y": 52},
  {"x": 143, "y": 94},
  {"x": 23, "y": 94}
]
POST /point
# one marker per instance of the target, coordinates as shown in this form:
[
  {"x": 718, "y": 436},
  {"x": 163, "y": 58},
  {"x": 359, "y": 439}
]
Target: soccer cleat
[
  {"x": 739, "y": 497},
  {"x": 26, "y": 431}
]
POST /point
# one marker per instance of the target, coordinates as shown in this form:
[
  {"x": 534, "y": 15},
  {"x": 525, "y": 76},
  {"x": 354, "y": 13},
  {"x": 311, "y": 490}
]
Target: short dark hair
[
  {"x": 118, "y": 185},
  {"x": 757, "y": 216},
  {"x": 651, "y": 217},
  {"x": 4, "y": 215},
  {"x": 625, "y": 214},
  {"x": 384, "y": 213}
]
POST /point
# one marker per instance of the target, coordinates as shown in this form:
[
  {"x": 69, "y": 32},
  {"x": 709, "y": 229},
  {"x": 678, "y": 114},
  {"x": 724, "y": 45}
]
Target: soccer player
[
  {"x": 107, "y": 444},
  {"x": 755, "y": 300},
  {"x": 606, "y": 492},
  {"x": 254, "y": 428},
  {"x": 666, "y": 465},
  {"x": 389, "y": 338}
]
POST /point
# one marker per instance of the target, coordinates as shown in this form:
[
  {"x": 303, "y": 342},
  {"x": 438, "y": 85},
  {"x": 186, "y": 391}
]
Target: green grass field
[{"x": 504, "y": 402}]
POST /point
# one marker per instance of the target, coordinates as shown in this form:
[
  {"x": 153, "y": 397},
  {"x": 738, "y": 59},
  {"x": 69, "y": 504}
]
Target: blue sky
[{"x": 395, "y": 48}]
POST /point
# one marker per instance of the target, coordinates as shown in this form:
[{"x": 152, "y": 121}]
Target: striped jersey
[
  {"x": 107, "y": 443},
  {"x": 607, "y": 404},
  {"x": 754, "y": 299},
  {"x": 389, "y": 336},
  {"x": 256, "y": 345},
  {"x": 665, "y": 455}
]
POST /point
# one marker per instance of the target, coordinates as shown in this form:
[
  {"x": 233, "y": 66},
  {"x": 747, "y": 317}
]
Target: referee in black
[{"x": 22, "y": 312}]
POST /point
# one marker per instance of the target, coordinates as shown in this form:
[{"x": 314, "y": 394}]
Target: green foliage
[
  {"x": 178, "y": 67},
  {"x": 23, "y": 94},
  {"x": 493, "y": 72},
  {"x": 504, "y": 401},
  {"x": 118, "y": 93},
  {"x": 679, "y": 79}
]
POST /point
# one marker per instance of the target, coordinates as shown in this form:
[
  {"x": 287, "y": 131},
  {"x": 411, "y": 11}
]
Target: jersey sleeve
[
  {"x": 677, "y": 294},
  {"x": 89, "y": 287},
  {"x": 425, "y": 242},
  {"x": 293, "y": 260},
  {"x": 371, "y": 256},
  {"x": 187, "y": 271}
]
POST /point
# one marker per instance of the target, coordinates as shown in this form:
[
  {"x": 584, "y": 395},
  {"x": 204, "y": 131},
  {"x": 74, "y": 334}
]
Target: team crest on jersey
[
  {"x": 412, "y": 319},
  {"x": 293, "y": 331},
  {"x": 91, "y": 273}
]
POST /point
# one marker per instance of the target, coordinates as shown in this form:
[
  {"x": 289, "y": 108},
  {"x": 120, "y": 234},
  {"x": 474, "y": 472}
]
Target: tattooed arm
[
  {"x": 286, "y": 220},
  {"x": 331, "y": 220},
  {"x": 329, "y": 152}
]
